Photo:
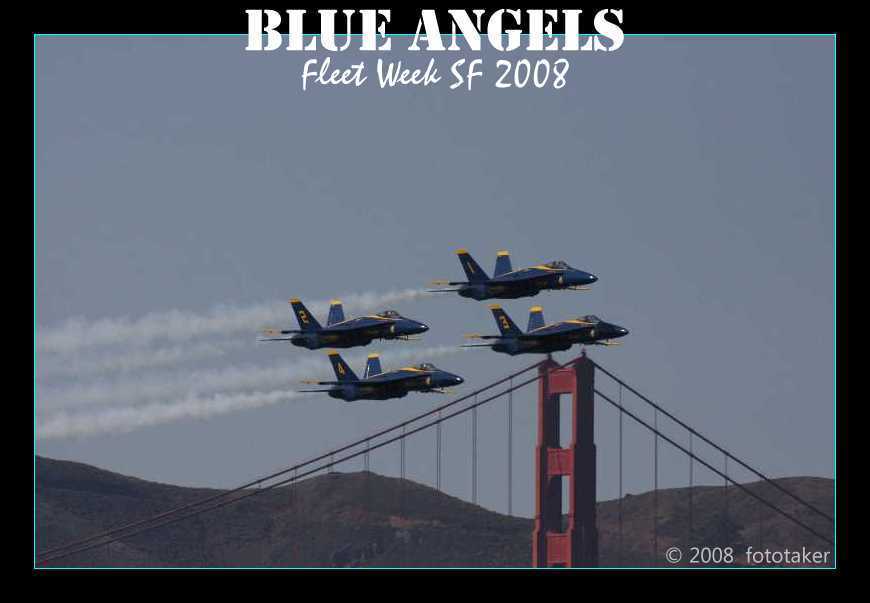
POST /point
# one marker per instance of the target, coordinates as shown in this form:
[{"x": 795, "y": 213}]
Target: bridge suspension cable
[
  {"x": 245, "y": 491},
  {"x": 474, "y": 453},
  {"x": 655, "y": 484},
  {"x": 691, "y": 491},
  {"x": 707, "y": 440},
  {"x": 619, "y": 437},
  {"x": 510, "y": 449},
  {"x": 344, "y": 453},
  {"x": 718, "y": 472},
  {"x": 438, "y": 454}
]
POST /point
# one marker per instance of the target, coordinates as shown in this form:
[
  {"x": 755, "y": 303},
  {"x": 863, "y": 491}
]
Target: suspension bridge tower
[{"x": 577, "y": 545}]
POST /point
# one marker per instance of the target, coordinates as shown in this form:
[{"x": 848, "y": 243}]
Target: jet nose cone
[
  {"x": 422, "y": 328},
  {"x": 578, "y": 277},
  {"x": 622, "y": 330},
  {"x": 458, "y": 379}
]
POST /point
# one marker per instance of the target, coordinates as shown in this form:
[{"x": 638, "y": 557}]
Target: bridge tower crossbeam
[{"x": 577, "y": 545}]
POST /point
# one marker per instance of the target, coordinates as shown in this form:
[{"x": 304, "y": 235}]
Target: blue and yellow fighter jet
[
  {"x": 344, "y": 333},
  {"x": 508, "y": 283},
  {"x": 541, "y": 338},
  {"x": 379, "y": 385}
]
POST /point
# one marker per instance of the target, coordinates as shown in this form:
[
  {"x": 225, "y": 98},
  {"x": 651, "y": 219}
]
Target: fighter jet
[
  {"x": 508, "y": 283},
  {"x": 541, "y": 338},
  {"x": 379, "y": 385},
  {"x": 344, "y": 333}
]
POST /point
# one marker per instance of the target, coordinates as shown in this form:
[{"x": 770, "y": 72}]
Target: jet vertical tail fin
[
  {"x": 373, "y": 366},
  {"x": 504, "y": 322},
  {"x": 472, "y": 269},
  {"x": 306, "y": 320},
  {"x": 502, "y": 263},
  {"x": 536, "y": 318},
  {"x": 342, "y": 371},
  {"x": 336, "y": 312}
]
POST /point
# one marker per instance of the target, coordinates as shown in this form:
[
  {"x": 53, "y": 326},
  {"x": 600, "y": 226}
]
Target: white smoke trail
[
  {"x": 82, "y": 365},
  {"x": 191, "y": 403},
  {"x": 137, "y": 389},
  {"x": 140, "y": 389},
  {"x": 122, "y": 420},
  {"x": 179, "y": 325}
]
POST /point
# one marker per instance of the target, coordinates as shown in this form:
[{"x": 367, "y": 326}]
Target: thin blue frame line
[
  {"x": 835, "y": 301},
  {"x": 34, "y": 301}
]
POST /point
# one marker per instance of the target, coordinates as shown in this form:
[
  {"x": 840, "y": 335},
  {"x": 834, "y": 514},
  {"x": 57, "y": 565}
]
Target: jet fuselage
[
  {"x": 395, "y": 384},
  {"x": 527, "y": 282},
  {"x": 558, "y": 337},
  {"x": 359, "y": 331}
]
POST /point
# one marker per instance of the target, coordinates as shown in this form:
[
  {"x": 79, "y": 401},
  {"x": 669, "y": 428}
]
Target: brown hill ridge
[{"x": 365, "y": 519}]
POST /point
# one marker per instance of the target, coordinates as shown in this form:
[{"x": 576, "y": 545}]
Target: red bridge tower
[{"x": 578, "y": 545}]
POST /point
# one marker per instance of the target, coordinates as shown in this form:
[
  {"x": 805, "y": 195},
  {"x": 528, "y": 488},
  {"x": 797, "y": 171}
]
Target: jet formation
[{"x": 506, "y": 283}]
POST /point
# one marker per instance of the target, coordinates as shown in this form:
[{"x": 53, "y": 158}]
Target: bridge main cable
[
  {"x": 295, "y": 477},
  {"x": 713, "y": 444},
  {"x": 782, "y": 512},
  {"x": 222, "y": 498},
  {"x": 261, "y": 480}
]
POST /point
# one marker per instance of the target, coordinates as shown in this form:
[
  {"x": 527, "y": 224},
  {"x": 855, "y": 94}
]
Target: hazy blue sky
[{"x": 693, "y": 176}]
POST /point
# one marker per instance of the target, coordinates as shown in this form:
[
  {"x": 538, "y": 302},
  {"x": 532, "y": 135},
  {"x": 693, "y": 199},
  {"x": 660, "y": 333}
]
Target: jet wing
[
  {"x": 409, "y": 375},
  {"x": 363, "y": 323},
  {"x": 530, "y": 276},
  {"x": 554, "y": 330}
]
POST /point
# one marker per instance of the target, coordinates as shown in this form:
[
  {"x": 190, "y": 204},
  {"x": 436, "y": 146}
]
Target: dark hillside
[{"x": 342, "y": 519}]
